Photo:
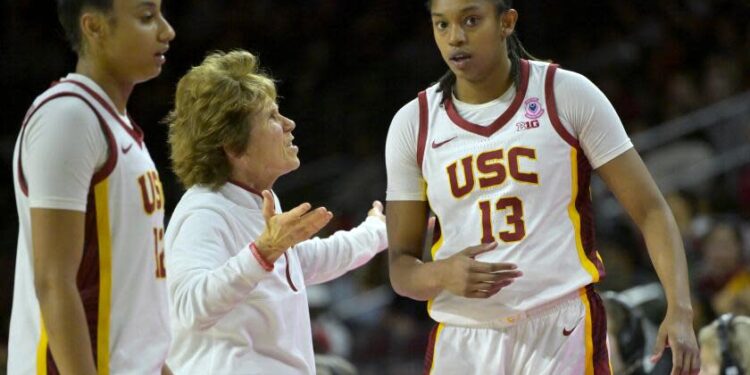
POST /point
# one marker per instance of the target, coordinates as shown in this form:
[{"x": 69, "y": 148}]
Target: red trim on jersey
[
  {"x": 21, "y": 178},
  {"x": 87, "y": 280},
  {"x": 29, "y": 114},
  {"x": 584, "y": 208},
  {"x": 437, "y": 231},
  {"x": 583, "y": 200},
  {"x": 423, "y": 118},
  {"x": 136, "y": 127},
  {"x": 289, "y": 274},
  {"x": 51, "y": 365},
  {"x": 246, "y": 187},
  {"x": 598, "y": 332},
  {"x": 111, "y": 162},
  {"x": 268, "y": 266},
  {"x": 431, "y": 343},
  {"x": 549, "y": 94},
  {"x": 496, "y": 125},
  {"x": 134, "y": 131},
  {"x": 99, "y": 175}
]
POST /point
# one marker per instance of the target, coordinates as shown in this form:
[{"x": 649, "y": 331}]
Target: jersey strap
[
  {"x": 134, "y": 132},
  {"x": 549, "y": 94},
  {"x": 487, "y": 131},
  {"x": 422, "y": 138},
  {"x": 102, "y": 173}
]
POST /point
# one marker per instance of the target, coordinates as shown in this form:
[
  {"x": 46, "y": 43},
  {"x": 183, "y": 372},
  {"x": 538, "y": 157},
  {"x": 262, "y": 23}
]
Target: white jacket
[{"x": 229, "y": 315}]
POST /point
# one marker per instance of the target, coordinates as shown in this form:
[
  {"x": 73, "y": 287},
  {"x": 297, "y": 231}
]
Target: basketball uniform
[
  {"x": 522, "y": 181},
  {"x": 121, "y": 275}
]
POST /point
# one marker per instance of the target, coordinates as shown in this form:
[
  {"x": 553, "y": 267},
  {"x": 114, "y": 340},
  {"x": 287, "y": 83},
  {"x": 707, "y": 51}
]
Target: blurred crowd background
[{"x": 677, "y": 71}]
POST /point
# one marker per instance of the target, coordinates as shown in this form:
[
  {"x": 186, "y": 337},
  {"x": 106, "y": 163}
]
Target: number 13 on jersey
[{"x": 513, "y": 209}]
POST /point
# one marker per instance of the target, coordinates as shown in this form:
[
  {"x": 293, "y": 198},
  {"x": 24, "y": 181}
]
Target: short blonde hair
[
  {"x": 738, "y": 336},
  {"x": 213, "y": 106}
]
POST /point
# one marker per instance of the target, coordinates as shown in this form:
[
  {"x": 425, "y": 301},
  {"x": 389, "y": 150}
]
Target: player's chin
[{"x": 148, "y": 74}]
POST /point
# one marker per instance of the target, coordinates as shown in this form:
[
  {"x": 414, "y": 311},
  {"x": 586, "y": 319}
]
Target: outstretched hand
[
  {"x": 287, "y": 229},
  {"x": 377, "y": 210},
  {"x": 676, "y": 331},
  {"x": 465, "y": 276}
]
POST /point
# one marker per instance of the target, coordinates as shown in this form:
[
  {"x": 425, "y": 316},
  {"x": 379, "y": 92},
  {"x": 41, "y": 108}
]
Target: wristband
[{"x": 268, "y": 266}]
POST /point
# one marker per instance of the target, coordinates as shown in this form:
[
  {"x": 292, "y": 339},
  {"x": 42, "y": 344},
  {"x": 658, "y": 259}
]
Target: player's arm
[
  {"x": 459, "y": 274},
  {"x": 410, "y": 277},
  {"x": 629, "y": 180},
  {"x": 57, "y": 237},
  {"x": 406, "y": 219},
  {"x": 605, "y": 143},
  {"x": 64, "y": 146}
]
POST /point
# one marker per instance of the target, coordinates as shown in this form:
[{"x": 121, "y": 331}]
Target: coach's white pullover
[{"x": 229, "y": 315}]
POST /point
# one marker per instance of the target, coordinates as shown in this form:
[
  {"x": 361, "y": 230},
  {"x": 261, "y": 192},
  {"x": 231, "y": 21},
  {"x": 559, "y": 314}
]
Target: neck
[
  {"x": 487, "y": 88},
  {"x": 254, "y": 181},
  {"x": 117, "y": 90}
]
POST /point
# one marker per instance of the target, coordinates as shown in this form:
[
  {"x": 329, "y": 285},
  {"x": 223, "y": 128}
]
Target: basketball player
[
  {"x": 501, "y": 150},
  {"x": 90, "y": 295},
  {"x": 238, "y": 266}
]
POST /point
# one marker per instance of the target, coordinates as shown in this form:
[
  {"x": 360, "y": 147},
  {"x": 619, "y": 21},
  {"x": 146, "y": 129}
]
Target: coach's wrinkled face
[{"x": 270, "y": 149}]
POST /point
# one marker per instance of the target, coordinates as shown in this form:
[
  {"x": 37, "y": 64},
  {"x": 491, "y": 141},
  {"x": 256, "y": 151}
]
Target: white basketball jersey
[
  {"x": 522, "y": 181},
  {"x": 121, "y": 275}
]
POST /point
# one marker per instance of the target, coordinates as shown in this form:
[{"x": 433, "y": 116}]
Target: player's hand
[
  {"x": 165, "y": 370},
  {"x": 676, "y": 331},
  {"x": 462, "y": 275},
  {"x": 289, "y": 228},
  {"x": 377, "y": 211}
]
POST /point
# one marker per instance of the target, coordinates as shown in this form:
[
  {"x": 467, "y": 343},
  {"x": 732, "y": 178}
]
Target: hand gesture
[
  {"x": 377, "y": 210},
  {"x": 289, "y": 228},
  {"x": 676, "y": 332},
  {"x": 462, "y": 275}
]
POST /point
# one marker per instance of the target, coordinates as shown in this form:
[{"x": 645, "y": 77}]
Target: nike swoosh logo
[
  {"x": 567, "y": 332},
  {"x": 126, "y": 149},
  {"x": 438, "y": 144}
]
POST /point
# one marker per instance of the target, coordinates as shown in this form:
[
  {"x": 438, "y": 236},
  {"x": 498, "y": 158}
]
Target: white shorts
[{"x": 565, "y": 337}]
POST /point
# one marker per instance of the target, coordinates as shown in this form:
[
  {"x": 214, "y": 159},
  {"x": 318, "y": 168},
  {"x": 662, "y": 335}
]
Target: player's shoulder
[
  {"x": 64, "y": 101},
  {"x": 62, "y": 110},
  {"x": 410, "y": 110},
  {"x": 571, "y": 85},
  {"x": 561, "y": 73},
  {"x": 570, "y": 77}
]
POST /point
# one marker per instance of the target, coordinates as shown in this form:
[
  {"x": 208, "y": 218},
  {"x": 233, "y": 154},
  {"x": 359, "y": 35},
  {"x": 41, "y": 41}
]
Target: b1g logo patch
[
  {"x": 526, "y": 125},
  {"x": 533, "y": 108}
]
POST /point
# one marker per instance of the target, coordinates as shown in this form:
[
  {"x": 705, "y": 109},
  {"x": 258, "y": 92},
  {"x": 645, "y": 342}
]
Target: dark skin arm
[
  {"x": 459, "y": 274},
  {"x": 629, "y": 180},
  {"x": 57, "y": 238}
]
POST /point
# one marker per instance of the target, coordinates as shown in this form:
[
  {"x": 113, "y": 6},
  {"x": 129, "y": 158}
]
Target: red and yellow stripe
[
  {"x": 575, "y": 218},
  {"x": 104, "y": 253},
  {"x": 429, "y": 364},
  {"x": 101, "y": 192}
]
